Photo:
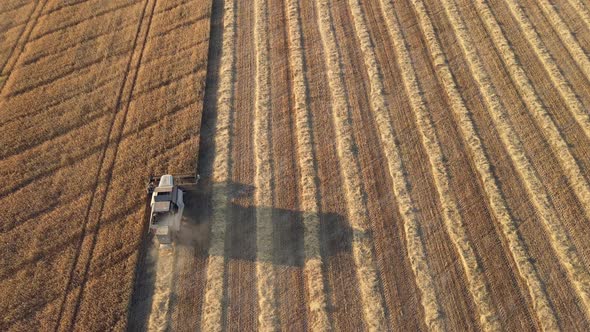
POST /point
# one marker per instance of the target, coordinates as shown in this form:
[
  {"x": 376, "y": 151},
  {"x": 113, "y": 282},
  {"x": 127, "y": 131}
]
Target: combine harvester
[{"x": 167, "y": 205}]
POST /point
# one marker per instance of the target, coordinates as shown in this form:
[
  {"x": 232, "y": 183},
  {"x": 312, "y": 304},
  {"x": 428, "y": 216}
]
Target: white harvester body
[{"x": 167, "y": 207}]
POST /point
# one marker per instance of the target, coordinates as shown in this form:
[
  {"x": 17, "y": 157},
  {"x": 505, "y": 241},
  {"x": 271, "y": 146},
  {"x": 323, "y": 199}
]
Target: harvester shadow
[
  {"x": 241, "y": 241},
  {"x": 335, "y": 239}
]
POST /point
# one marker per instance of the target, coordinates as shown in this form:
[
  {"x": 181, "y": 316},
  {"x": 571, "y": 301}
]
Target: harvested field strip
[
  {"x": 400, "y": 183},
  {"x": 453, "y": 220},
  {"x": 558, "y": 235},
  {"x": 212, "y": 311},
  {"x": 113, "y": 136},
  {"x": 367, "y": 275},
  {"x": 268, "y": 317},
  {"x": 566, "y": 36},
  {"x": 161, "y": 299},
  {"x": 316, "y": 298},
  {"x": 481, "y": 162},
  {"x": 550, "y": 66},
  {"x": 23, "y": 39},
  {"x": 532, "y": 101}
]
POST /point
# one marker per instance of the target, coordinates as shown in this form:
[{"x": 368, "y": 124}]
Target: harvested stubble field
[{"x": 383, "y": 165}]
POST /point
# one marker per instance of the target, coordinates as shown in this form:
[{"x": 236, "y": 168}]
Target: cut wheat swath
[
  {"x": 482, "y": 164},
  {"x": 559, "y": 238},
  {"x": 452, "y": 218},
  {"x": 317, "y": 298},
  {"x": 214, "y": 293},
  {"x": 367, "y": 274},
  {"x": 538, "y": 110},
  {"x": 550, "y": 66},
  {"x": 414, "y": 241},
  {"x": 566, "y": 36},
  {"x": 582, "y": 10},
  {"x": 268, "y": 316}
]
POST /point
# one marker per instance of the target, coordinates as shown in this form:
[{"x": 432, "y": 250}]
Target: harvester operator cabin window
[{"x": 162, "y": 197}]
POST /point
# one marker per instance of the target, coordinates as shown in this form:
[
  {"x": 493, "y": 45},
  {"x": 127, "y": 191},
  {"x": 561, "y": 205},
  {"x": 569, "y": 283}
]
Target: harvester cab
[{"x": 167, "y": 204}]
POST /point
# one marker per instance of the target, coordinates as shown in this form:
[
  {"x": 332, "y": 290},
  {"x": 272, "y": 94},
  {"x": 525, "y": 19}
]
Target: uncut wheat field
[{"x": 382, "y": 165}]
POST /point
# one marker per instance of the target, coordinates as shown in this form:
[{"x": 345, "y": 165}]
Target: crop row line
[
  {"x": 452, "y": 218},
  {"x": 362, "y": 247},
  {"x": 560, "y": 240},
  {"x": 317, "y": 297},
  {"x": 480, "y": 160},
  {"x": 268, "y": 317},
  {"x": 546, "y": 211},
  {"x": 213, "y": 302},
  {"x": 566, "y": 36}
]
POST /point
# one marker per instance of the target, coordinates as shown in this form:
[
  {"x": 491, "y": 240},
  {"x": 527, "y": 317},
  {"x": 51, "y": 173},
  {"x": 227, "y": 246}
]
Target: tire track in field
[
  {"x": 453, "y": 220},
  {"x": 23, "y": 39},
  {"x": 497, "y": 202},
  {"x": 317, "y": 299},
  {"x": 214, "y": 302},
  {"x": 101, "y": 163},
  {"x": 362, "y": 247},
  {"x": 416, "y": 249},
  {"x": 533, "y": 102},
  {"x": 564, "y": 87},
  {"x": 560, "y": 241},
  {"x": 566, "y": 37},
  {"x": 268, "y": 316}
]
